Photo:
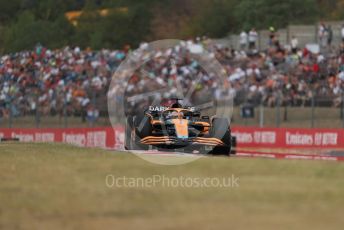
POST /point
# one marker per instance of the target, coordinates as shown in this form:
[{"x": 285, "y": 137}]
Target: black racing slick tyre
[
  {"x": 221, "y": 151},
  {"x": 220, "y": 129},
  {"x": 128, "y": 132},
  {"x": 233, "y": 145},
  {"x": 136, "y": 145},
  {"x": 143, "y": 128}
]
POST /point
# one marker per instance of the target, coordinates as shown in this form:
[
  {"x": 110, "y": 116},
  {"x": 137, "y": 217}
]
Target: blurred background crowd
[
  {"x": 75, "y": 81},
  {"x": 58, "y": 58}
]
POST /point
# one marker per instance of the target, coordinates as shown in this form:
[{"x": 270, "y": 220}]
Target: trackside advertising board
[
  {"x": 289, "y": 138},
  {"x": 113, "y": 138}
]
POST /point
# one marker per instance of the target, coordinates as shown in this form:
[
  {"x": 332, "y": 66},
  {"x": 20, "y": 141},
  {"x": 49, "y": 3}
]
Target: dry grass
[{"x": 53, "y": 186}]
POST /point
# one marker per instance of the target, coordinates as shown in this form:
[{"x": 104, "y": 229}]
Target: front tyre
[
  {"x": 233, "y": 145},
  {"x": 128, "y": 131},
  {"x": 143, "y": 128},
  {"x": 220, "y": 129},
  {"x": 221, "y": 151}
]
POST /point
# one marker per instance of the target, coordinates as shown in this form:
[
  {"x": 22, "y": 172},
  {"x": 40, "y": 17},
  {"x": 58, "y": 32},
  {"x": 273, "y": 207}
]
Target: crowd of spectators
[
  {"x": 290, "y": 74},
  {"x": 56, "y": 82},
  {"x": 74, "y": 81}
]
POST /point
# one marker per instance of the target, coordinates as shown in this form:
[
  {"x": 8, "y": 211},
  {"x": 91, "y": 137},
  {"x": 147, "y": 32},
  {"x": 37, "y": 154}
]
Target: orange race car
[{"x": 181, "y": 129}]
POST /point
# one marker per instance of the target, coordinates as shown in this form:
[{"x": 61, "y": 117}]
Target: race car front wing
[{"x": 166, "y": 140}]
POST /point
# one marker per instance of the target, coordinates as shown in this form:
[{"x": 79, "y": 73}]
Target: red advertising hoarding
[
  {"x": 248, "y": 137},
  {"x": 289, "y": 138},
  {"x": 112, "y": 138}
]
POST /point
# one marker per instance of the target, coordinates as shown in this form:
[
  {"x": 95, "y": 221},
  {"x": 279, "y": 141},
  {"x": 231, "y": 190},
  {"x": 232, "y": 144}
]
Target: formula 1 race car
[{"x": 179, "y": 128}]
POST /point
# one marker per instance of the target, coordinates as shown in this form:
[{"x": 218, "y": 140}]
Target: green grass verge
[{"x": 55, "y": 186}]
